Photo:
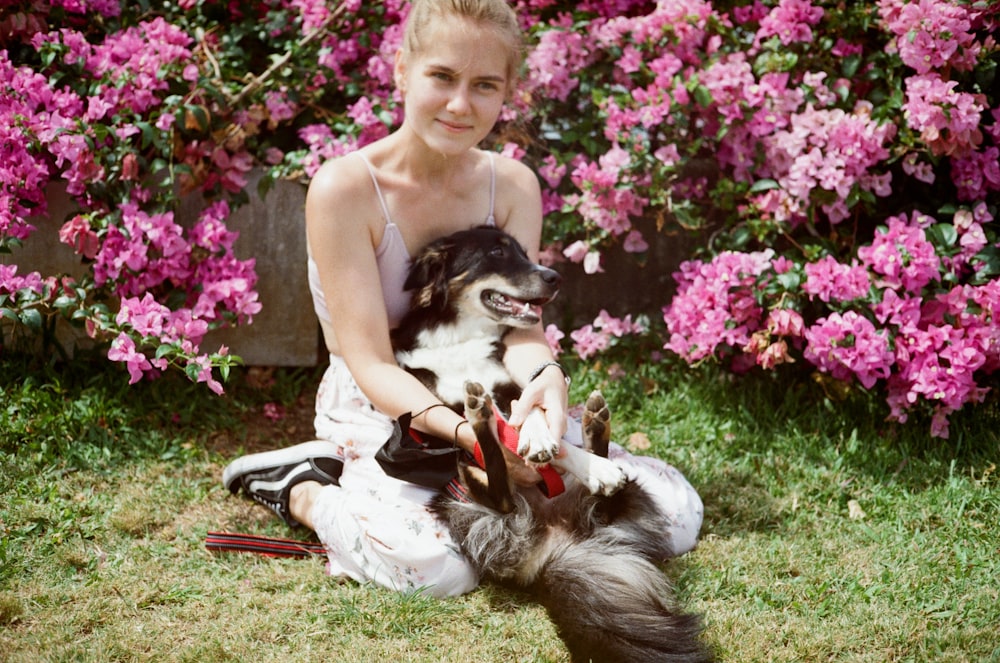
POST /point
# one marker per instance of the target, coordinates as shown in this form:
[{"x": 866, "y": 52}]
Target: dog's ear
[{"x": 428, "y": 277}]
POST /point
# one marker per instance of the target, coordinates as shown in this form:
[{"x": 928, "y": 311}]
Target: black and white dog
[{"x": 589, "y": 555}]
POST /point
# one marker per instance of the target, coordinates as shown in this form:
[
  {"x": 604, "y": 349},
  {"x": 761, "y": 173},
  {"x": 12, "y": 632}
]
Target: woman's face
[{"x": 455, "y": 86}]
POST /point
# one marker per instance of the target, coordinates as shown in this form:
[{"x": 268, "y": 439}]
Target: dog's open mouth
[{"x": 529, "y": 311}]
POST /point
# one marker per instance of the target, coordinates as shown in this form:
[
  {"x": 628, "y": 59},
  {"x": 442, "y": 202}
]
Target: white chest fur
[{"x": 455, "y": 355}]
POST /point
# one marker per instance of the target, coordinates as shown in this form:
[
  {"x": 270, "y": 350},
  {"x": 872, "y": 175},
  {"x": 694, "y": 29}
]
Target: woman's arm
[
  {"x": 527, "y": 349},
  {"x": 343, "y": 224}
]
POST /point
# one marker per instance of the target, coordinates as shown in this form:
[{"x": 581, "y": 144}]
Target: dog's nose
[{"x": 550, "y": 276}]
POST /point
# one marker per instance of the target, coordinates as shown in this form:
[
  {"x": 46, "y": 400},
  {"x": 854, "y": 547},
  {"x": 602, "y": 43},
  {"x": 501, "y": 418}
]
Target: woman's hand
[{"x": 548, "y": 392}]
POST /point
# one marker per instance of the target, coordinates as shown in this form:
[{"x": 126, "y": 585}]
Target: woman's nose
[{"x": 459, "y": 101}]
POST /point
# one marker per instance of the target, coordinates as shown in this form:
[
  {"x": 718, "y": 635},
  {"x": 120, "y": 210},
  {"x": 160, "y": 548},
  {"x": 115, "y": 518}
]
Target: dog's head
[{"x": 483, "y": 270}]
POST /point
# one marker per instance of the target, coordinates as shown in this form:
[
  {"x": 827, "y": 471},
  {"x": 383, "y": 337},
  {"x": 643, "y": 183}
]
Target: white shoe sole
[{"x": 265, "y": 460}]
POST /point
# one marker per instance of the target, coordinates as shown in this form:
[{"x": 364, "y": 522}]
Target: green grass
[{"x": 829, "y": 535}]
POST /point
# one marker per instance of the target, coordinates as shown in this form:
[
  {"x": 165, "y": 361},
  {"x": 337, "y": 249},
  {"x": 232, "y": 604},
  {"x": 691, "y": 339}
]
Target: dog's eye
[{"x": 498, "y": 252}]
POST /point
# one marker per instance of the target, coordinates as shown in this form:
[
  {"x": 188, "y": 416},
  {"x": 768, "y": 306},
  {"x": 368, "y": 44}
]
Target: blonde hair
[{"x": 495, "y": 15}]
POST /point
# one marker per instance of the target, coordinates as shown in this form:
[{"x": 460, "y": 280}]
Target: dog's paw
[
  {"x": 604, "y": 477},
  {"x": 596, "y": 425},
  {"x": 478, "y": 404},
  {"x": 535, "y": 442}
]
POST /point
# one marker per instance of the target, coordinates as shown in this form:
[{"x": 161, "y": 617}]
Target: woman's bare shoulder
[
  {"x": 519, "y": 201},
  {"x": 516, "y": 173},
  {"x": 343, "y": 176}
]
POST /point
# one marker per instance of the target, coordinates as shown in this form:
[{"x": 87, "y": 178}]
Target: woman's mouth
[{"x": 455, "y": 127}]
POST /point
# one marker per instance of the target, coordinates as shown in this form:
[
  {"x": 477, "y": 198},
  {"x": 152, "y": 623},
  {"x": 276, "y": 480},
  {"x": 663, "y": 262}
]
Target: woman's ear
[{"x": 399, "y": 71}]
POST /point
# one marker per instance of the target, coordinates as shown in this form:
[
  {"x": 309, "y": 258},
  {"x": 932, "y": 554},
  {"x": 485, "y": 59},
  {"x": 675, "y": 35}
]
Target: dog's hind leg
[
  {"x": 596, "y": 425},
  {"x": 492, "y": 487},
  {"x": 593, "y": 469}
]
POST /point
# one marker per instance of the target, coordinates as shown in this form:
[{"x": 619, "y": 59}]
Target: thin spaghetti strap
[
  {"x": 378, "y": 189},
  {"x": 491, "y": 219}
]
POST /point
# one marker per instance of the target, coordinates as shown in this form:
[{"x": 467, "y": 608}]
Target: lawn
[{"x": 829, "y": 535}]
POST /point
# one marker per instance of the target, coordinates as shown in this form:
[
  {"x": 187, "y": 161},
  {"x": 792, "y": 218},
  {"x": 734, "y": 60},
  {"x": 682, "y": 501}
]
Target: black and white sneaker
[{"x": 268, "y": 477}]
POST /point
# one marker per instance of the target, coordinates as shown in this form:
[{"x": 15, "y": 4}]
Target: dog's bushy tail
[{"x": 610, "y": 605}]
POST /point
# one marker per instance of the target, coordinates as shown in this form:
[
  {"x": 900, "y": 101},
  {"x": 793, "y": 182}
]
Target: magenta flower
[
  {"x": 123, "y": 349},
  {"x": 901, "y": 254},
  {"x": 791, "y": 21},
  {"x": 587, "y": 341},
  {"x": 554, "y": 337},
  {"x": 931, "y": 34},
  {"x": 785, "y": 322},
  {"x": 849, "y": 345},
  {"x": 830, "y": 280},
  {"x": 948, "y": 121},
  {"x": 715, "y": 304},
  {"x": 77, "y": 233}
]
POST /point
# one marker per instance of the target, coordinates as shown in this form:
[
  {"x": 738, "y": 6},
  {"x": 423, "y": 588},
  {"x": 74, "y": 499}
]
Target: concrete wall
[{"x": 284, "y": 333}]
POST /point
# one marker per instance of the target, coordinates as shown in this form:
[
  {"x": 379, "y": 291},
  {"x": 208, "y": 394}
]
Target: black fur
[{"x": 591, "y": 560}]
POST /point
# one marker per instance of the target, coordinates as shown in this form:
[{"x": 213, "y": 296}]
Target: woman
[{"x": 366, "y": 214}]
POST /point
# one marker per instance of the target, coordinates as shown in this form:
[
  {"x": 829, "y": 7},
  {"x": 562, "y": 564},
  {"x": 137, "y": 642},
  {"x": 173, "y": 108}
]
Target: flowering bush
[
  {"x": 843, "y": 160},
  {"x": 133, "y": 108},
  {"x": 868, "y": 182}
]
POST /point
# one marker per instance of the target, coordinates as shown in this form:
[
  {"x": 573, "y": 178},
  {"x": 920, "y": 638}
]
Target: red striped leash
[{"x": 262, "y": 545}]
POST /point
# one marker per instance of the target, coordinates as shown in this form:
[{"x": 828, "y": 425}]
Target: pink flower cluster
[
  {"x": 900, "y": 256},
  {"x": 940, "y": 347},
  {"x": 715, "y": 304},
  {"x": 106, "y": 8},
  {"x": 157, "y": 325},
  {"x": 791, "y": 21},
  {"x": 927, "y": 344},
  {"x": 131, "y": 64},
  {"x": 932, "y": 34},
  {"x": 829, "y": 280},
  {"x": 607, "y": 201},
  {"x": 947, "y": 120},
  {"x": 603, "y": 332},
  {"x": 556, "y": 61},
  {"x": 825, "y": 149},
  {"x": 847, "y": 346}
]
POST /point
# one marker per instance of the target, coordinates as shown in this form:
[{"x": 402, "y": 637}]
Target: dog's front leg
[
  {"x": 535, "y": 442},
  {"x": 600, "y": 475}
]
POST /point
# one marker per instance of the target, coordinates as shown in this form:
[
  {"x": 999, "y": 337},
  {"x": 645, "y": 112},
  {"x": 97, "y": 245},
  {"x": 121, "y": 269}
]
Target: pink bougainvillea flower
[
  {"x": 829, "y": 280},
  {"x": 849, "y": 345},
  {"x": 901, "y": 254},
  {"x": 77, "y": 233},
  {"x": 123, "y": 349}
]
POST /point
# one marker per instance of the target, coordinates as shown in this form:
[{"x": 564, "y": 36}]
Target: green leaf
[
  {"x": 703, "y": 96},
  {"x": 789, "y": 280},
  {"x": 942, "y": 234},
  {"x": 32, "y": 319},
  {"x": 148, "y": 133},
  {"x": 763, "y": 185},
  {"x": 850, "y": 66},
  {"x": 63, "y": 302},
  {"x": 989, "y": 258}
]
